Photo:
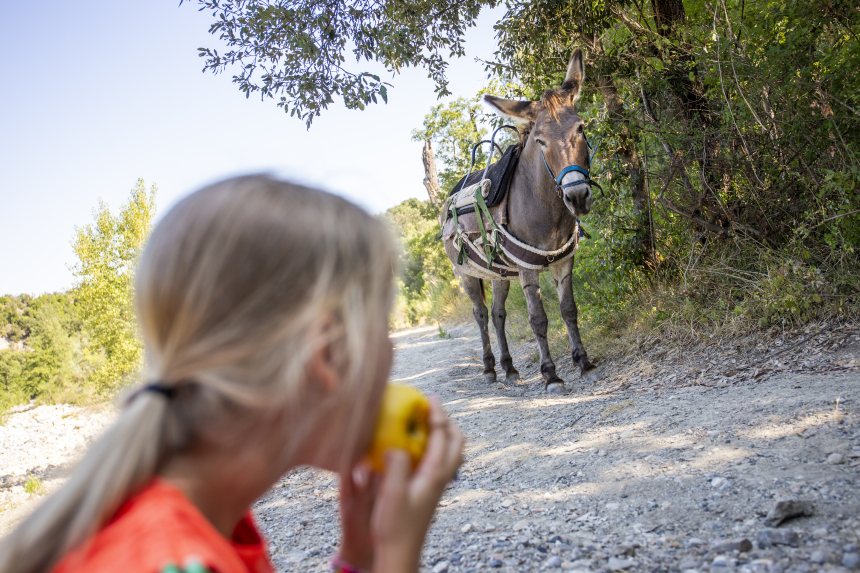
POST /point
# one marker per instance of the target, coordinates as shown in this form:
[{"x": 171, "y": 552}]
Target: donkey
[{"x": 549, "y": 190}]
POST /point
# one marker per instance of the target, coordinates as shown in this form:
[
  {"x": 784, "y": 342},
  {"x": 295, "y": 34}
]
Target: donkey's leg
[
  {"x": 474, "y": 287},
  {"x": 539, "y": 324},
  {"x": 564, "y": 286},
  {"x": 500, "y": 295}
]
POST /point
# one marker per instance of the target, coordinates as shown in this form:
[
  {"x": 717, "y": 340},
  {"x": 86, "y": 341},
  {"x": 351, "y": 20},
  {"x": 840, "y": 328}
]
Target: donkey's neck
[{"x": 536, "y": 214}]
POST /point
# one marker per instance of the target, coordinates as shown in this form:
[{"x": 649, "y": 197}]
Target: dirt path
[
  {"x": 670, "y": 461},
  {"x": 642, "y": 470}
]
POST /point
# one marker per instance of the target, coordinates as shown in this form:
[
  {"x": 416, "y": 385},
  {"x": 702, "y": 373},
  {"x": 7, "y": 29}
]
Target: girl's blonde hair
[{"x": 238, "y": 286}]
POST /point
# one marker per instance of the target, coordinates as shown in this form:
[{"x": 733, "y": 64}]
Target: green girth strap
[
  {"x": 461, "y": 255},
  {"x": 491, "y": 246}
]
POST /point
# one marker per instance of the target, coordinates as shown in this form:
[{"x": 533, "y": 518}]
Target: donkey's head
[{"x": 556, "y": 137}]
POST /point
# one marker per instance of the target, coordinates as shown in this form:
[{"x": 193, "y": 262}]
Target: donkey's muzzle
[{"x": 578, "y": 198}]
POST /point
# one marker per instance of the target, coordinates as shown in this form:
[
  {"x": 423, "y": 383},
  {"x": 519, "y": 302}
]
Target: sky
[{"x": 100, "y": 93}]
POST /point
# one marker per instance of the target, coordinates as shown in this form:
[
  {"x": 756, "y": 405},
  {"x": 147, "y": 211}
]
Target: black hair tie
[{"x": 158, "y": 388}]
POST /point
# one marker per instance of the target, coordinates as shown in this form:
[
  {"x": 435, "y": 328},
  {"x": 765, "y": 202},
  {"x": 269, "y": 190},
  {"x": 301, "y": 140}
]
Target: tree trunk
[
  {"x": 696, "y": 109},
  {"x": 431, "y": 178},
  {"x": 633, "y": 164}
]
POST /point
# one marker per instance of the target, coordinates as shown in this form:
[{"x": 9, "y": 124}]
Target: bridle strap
[{"x": 559, "y": 186}]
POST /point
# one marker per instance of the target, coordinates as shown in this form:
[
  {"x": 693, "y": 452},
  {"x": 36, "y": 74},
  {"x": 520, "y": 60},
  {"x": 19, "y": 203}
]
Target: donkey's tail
[{"x": 483, "y": 291}]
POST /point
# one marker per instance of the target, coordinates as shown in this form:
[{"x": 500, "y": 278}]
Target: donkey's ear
[
  {"x": 575, "y": 75},
  {"x": 517, "y": 110}
]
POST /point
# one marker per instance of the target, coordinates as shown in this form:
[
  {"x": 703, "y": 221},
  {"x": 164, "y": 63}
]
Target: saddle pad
[
  {"x": 500, "y": 174},
  {"x": 466, "y": 197}
]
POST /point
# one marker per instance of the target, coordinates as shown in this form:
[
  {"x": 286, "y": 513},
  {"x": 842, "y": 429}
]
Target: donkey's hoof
[
  {"x": 586, "y": 366},
  {"x": 556, "y": 387},
  {"x": 593, "y": 374},
  {"x": 512, "y": 377},
  {"x": 490, "y": 377}
]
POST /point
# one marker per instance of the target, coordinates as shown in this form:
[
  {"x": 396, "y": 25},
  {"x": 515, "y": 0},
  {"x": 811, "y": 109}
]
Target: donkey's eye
[
  {"x": 540, "y": 142},
  {"x": 581, "y": 128}
]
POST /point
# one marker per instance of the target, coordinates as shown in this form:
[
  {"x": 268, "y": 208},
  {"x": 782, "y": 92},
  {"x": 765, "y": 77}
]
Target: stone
[
  {"x": 496, "y": 563},
  {"x": 761, "y": 566},
  {"x": 770, "y": 537},
  {"x": 787, "y": 509},
  {"x": 722, "y": 563},
  {"x": 730, "y": 545},
  {"x": 835, "y": 459},
  {"x": 851, "y": 560},
  {"x": 818, "y": 557},
  {"x": 618, "y": 564},
  {"x": 441, "y": 567},
  {"x": 521, "y": 524},
  {"x": 295, "y": 556},
  {"x": 553, "y": 562},
  {"x": 466, "y": 528},
  {"x": 718, "y": 482}
]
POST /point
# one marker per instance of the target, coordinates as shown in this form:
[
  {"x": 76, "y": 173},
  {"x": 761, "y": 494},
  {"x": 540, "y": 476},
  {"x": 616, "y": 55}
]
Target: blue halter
[{"x": 557, "y": 179}]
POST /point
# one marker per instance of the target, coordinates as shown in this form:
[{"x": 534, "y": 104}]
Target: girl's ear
[{"x": 321, "y": 370}]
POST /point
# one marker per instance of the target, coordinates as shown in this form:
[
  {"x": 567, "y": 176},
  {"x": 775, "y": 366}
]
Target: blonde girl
[{"x": 263, "y": 308}]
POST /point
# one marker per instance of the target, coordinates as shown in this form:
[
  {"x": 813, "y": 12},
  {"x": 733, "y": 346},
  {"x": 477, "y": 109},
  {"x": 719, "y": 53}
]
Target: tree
[
  {"x": 428, "y": 282},
  {"x": 14, "y": 317},
  {"x": 454, "y": 127},
  {"x": 50, "y": 359},
  {"x": 107, "y": 252},
  {"x": 296, "y": 52},
  {"x": 727, "y": 128}
]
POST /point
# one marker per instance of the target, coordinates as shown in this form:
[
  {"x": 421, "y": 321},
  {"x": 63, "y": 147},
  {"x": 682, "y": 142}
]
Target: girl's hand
[
  {"x": 358, "y": 491},
  {"x": 405, "y": 504}
]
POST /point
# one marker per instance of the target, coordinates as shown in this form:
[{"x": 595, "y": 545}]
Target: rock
[
  {"x": 618, "y": 564},
  {"x": 730, "y": 545},
  {"x": 788, "y": 509},
  {"x": 466, "y": 528},
  {"x": 496, "y": 563},
  {"x": 818, "y": 557},
  {"x": 521, "y": 524},
  {"x": 761, "y": 566},
  {"x": 612, "y": 506},
  {"x": 770, "y": 537},
  {"x": 719, "y": 482},
  {"x": 295, "y": 556},
  {"x": 851, "y": 560},
  {"x": 441, "y": 567},
  {"x": 552, "y": 562},
  {"x": 835, "y": 459},
  {"x": 722, "y": 563}
]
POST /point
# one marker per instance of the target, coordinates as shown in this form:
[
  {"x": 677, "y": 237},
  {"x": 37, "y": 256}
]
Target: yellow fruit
[{"x": 403, "y": 424}]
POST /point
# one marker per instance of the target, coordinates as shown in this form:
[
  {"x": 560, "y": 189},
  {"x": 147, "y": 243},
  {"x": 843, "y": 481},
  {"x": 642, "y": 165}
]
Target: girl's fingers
[
  {"x": 396, "y": 478},
  {"x": 347, "y": 488},
  {"x": 361, "y": 476},
  {"x": 437, "y": 443}
]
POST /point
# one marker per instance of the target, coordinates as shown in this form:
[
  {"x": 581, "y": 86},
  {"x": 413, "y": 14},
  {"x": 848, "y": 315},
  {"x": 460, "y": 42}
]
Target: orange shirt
[{"x": 159, "y": 527}]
